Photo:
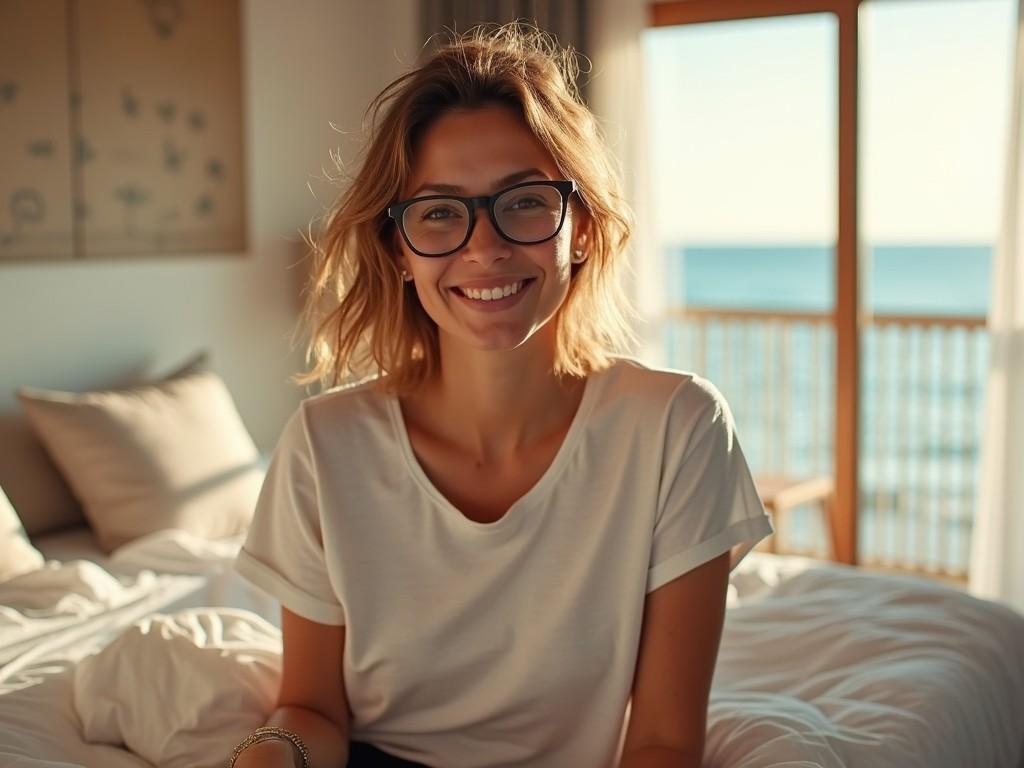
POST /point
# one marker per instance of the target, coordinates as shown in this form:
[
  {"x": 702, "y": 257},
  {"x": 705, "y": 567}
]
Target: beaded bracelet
[{"x": 266, "y": 733}]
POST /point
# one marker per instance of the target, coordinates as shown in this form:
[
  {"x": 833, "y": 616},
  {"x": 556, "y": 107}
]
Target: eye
[
  {"x": 525, "y": 203},
  {"x": 439, "y": 213}
]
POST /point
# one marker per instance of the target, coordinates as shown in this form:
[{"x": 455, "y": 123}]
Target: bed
[
  {"x": 820, "y": 664},
  {"x": 131, "y": 641}
]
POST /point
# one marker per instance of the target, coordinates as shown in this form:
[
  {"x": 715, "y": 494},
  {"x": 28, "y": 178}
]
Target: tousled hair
[{"x": 363, "y": 319}]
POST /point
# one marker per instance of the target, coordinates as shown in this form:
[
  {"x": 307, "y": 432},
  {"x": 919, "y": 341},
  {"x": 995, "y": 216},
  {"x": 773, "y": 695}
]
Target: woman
[{"x": 490, "y": 548}]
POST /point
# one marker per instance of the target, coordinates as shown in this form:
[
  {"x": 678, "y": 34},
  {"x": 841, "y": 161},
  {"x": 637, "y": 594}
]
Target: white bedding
[
  {"x": 820, "y": 665},
  {"x": 836, "y": 666},
  {"x": 53, "y": 618}
]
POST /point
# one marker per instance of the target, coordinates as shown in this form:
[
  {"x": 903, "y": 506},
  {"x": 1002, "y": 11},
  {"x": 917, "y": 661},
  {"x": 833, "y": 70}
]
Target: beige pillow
[
  {"x": 33, "y": 483},
  {"x": 173, "y": 454},
  {"x": 17, "y": 555}
]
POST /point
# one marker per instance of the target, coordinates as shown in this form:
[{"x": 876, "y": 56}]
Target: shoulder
[
  {"x": 676, "y": 396},
  {"x": 337, "y": 412},
  {"x": 350, "y": 396}
]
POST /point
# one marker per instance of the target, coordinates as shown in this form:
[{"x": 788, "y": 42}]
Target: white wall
[{"x": 79, "y": 325}]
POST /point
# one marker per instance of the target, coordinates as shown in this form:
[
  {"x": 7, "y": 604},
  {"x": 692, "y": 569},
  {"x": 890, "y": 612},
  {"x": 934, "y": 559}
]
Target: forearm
[
  {"x": 326, "y": 741},
  {"x": 660, "y": 757}
]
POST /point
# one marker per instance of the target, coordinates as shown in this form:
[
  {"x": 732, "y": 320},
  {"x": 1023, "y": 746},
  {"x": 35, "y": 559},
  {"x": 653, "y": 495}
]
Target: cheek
[{"x": 428, "y": 278}]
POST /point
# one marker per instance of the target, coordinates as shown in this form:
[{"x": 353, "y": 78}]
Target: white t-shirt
[{"x": 513, "y": 643}]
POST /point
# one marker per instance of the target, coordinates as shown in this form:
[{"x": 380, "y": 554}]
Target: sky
[{"x": 743, "y": 115}]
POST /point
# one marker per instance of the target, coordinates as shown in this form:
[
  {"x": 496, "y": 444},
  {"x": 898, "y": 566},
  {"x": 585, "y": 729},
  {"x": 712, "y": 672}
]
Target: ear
[
  {"x": 396, "y": 244},
  {"x": 395, "y": 241},
  {"x": 580, "y": 243},
  {"x": 583, "y": 227}
]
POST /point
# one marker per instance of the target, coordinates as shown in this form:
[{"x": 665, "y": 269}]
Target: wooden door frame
[{"x": 846, "y": 317}]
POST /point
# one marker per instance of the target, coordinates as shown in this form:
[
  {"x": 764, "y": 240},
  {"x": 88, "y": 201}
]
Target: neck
[{"x": 494, "y": 405}]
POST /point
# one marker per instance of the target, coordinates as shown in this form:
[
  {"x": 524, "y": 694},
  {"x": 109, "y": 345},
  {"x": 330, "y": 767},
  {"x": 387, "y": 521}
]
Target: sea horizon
[{"x": 896, "y": 278}]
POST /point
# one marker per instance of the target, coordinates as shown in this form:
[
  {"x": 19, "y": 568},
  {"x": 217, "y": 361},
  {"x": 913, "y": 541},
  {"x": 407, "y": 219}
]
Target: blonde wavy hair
[{"x": 378, "y": 325}]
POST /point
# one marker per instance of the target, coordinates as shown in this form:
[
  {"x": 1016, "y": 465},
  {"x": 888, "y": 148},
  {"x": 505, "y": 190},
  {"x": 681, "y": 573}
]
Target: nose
[{"x": 485, "y": 245}]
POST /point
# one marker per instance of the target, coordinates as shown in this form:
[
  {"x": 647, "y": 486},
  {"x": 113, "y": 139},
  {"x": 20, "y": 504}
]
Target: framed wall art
[{"x": 122, "y": 126}]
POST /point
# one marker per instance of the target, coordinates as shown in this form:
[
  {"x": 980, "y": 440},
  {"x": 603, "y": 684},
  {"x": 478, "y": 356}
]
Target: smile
[{"x": 492, "y": 294}]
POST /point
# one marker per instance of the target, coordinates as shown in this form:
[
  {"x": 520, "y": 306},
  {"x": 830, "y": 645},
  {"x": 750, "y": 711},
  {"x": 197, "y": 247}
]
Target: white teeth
[{"x": 490, "y": 294}]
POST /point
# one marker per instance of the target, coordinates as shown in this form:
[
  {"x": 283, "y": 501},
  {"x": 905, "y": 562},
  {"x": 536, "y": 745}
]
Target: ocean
[
  {"x": 921, "y": 386},
  {"x": 896, "y": 279}
]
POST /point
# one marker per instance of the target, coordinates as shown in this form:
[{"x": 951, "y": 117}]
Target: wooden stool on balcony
[{"x": 780, "y": 493}]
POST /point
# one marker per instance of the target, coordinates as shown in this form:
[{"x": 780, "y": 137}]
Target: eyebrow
[{"x": 453, "y": 189}]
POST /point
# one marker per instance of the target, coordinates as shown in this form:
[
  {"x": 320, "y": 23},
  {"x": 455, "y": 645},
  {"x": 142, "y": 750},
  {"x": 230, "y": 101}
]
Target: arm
[
  {"x": 682, "y": 629},
  {"x": 312, "y": 700}
]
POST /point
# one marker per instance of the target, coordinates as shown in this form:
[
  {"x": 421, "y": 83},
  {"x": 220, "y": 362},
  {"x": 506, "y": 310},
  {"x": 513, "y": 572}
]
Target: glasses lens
[
  {"x": 529, "y": 214},
  {"x": 436, "y": 226}
]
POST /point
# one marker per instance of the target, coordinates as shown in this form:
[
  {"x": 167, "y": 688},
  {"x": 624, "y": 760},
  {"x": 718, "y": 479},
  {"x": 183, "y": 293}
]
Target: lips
[{"x": 503, "y": 286}]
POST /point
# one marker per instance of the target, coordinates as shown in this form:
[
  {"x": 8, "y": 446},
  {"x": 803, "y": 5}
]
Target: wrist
[{"x": 272, "y": 753}]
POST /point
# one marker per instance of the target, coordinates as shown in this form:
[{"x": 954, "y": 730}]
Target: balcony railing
[{"x": 922, "y": 380}]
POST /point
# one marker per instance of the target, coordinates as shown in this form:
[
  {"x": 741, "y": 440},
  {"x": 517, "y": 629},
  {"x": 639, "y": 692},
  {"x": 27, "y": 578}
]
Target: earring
[
  {"x": 406, "y": 276},
  {"x": 578, "y": 256}
]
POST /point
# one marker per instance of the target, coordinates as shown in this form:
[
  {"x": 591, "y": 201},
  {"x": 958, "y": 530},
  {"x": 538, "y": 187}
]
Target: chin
[
  {"x": 493, "y": 340},
  {"x": 499, "y": 343}
]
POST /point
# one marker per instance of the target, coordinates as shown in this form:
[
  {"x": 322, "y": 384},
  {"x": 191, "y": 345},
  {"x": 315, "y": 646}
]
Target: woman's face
[{"x": 480, "y": 152}]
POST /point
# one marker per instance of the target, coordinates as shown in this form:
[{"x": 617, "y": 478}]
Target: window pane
[
  {"x": 934, "y": 112},
  {"x": 742, "y": 123},
  {"x": 742, "y": 128},
  {"x": 934, "y": 102}
]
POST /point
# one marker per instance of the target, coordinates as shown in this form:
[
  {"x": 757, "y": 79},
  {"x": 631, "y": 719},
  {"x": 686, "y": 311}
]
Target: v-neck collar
[{"x": 527, "y": 500}]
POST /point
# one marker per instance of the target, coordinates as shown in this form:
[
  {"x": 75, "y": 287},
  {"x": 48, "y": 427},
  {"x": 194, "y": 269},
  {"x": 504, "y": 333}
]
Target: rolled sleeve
[
  {"x": 707, "y": 503},
  {"x": 283, "y": 553}
]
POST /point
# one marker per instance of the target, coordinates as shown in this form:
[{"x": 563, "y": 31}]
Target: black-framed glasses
[{"x": 526, "y": 214}]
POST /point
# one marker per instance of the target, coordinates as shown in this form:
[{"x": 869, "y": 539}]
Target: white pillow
[
  {"x": 17, "y": 555},
  {"x": 181, "y": 690},
  {"x": 172, "y": 454}
]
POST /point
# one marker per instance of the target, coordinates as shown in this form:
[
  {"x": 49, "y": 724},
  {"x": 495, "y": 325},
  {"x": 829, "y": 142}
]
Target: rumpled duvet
[{"x": 164, "y": 656}]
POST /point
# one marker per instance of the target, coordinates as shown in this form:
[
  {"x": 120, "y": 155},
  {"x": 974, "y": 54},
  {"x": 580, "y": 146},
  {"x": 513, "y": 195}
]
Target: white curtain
[
  {"x": 997, "y": 548},
  {"x": 617, "y": 96}
]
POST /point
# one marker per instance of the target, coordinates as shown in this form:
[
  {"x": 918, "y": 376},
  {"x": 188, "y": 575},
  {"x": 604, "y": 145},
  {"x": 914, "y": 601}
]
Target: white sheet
[
  {"x": 837, "y": 666},
  {"x": 53, "y": 618},
  {"x": 217, "y": 671},
  {"x": 820, "y": 665}
]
